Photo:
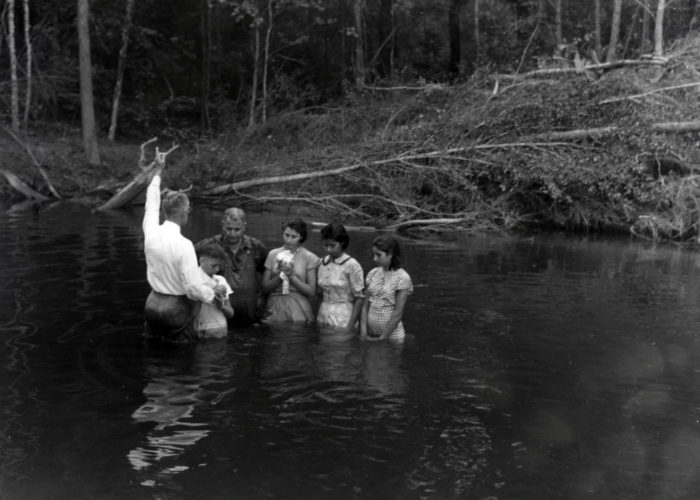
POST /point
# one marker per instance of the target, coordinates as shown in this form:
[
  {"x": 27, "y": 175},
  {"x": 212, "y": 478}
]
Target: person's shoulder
[
  {"x": 352, "y": 262},
  {"x": 206, "y": 241},
  {"x": 308, "y": 254},
  {"x": 252, "y": 241}
]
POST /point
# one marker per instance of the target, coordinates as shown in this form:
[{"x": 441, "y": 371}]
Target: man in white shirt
[{"x": 177, "y": 288}]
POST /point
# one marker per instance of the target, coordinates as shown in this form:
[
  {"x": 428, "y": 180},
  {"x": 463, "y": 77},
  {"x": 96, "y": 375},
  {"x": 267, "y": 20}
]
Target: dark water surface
[{"x": 538, "y": 368}]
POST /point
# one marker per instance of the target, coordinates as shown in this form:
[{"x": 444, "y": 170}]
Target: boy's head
[{"x": 211, "y": 257}]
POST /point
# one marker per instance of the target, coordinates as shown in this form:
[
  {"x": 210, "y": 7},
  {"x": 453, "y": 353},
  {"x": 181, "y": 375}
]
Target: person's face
[
  {"x": 333, "y": 248},
  {"x": 210, "y": 265},
  {"x": 291, "y": 238},
  {"x": 381, "y": 258},
  {"x": 233, "y": 231}
]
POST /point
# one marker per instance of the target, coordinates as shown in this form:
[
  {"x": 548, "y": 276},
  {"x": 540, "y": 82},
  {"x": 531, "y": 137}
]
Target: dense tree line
[{"x": 213, "y": 65}]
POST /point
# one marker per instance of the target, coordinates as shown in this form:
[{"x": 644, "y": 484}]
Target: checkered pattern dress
[{"x": 381, "y": 289}]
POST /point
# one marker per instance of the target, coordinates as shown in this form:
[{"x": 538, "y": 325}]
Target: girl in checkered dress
[{"x": 387, "y": 287}]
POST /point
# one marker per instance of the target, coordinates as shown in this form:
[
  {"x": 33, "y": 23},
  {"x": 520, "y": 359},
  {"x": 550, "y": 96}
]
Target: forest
[{"x": 411, "y": 115}]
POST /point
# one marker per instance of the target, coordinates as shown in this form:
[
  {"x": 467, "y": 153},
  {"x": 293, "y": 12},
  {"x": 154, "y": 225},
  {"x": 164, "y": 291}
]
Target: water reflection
[{"x": 180, "y": 381}]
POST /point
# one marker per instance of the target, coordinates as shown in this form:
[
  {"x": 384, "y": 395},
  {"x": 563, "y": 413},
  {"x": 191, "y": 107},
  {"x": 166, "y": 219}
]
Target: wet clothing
[
  {"x": 293, "y": 307},
  {"x": 381, "y": 290},
  {"x": 170, "y": 258},
  {"x": 211, "y": 321},
  {"x": 342, "y": 281},
  {"x": 172, "y": 272},
  {"x": 170, "y": 318},
  {"x": 242, "y": 270}
]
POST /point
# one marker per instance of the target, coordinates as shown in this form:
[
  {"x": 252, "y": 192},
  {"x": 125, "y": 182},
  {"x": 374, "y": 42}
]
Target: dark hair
[
  {"x": 213, "y": 250},
  {"x": 336, "y": 232},
  {"x": 174, "y": 204},
  {"x": 299, "y": 225},
  {"x": 389, "y": 245}
]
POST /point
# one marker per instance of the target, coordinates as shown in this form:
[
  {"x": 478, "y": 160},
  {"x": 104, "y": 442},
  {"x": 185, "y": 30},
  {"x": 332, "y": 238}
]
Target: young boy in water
[{"x": 212, "y": 319}]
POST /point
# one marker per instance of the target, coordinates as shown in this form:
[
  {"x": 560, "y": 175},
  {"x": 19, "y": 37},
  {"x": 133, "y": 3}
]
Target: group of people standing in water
[{"x": 231, "y": 280}]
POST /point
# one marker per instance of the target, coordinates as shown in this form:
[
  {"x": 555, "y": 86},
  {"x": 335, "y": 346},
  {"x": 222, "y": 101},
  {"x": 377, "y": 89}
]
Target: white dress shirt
[{"x": 170, "y": 257}]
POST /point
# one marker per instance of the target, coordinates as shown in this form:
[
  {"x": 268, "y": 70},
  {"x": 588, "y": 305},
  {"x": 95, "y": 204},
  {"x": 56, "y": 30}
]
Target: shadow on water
[{"x": 546, "y": 367}]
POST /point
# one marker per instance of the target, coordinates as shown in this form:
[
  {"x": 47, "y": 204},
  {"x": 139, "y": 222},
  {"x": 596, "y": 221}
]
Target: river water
[{"x": 533, "y": 368}]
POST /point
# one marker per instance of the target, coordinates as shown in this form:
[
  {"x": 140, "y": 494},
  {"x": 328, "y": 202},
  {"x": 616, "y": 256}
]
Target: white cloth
[
  {"x": 170, "y": 257},
  {"x": 285, "y": 257},
  {"x": 211, "y": 321}
]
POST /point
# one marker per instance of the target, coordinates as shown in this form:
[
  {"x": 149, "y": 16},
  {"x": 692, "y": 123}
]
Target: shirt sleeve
[
  {"x": 151, "y": 212},
  {"x": 403, "y": 282},
  {"x": 195, "y": 288},
  {"x": 356, "y": 277}
]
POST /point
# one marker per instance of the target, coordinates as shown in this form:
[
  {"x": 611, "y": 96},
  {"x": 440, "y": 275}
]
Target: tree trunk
[
  {"x": 266, "y": 62},
  {"x": 557, "y": 24},
  {"x": 343, "y": 43},
  {"x": 360, "y": 70},
  {"x": 659, "y": 29},
  {"x": 477, "y": 35},
  {"x": 614, "y": 31},
  {"x": 28, "y": 48},
  {"x": 14, "y": 89},
  {"x": 205, "y": 78},
  {"x": 645, "y": 27},
  {"x": 597, "y": 31},
  {"x": 385, "y": 28},
  {"x": 694, "y": 6},
  {"x": 454, "y": 28},
  {"x": 256, "y": 69},
  {"x": 87, "y": 105},
  {"x": 120, "y": 69},
  {"x": 630, "y": 31}
]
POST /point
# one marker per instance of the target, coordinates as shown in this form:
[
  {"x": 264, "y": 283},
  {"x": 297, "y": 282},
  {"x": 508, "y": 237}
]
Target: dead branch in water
[
  {"x": 35, "y": 161},
  {"x": 19, "y": 186},
  {"x": 127, "y": 194}
]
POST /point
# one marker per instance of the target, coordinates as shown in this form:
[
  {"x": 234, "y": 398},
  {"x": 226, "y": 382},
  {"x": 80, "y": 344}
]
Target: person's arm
[
  {"x": 363, "y": 317},
  {"x": 306, "y": 287},
  {"x": 191, "y": 277},
  {"x": 270, "y": 281},
  {"x": 151, "y": 213},
  {"x": 355, "y": 314},
  {"x": 357, "y": 284},
  {"x": 225, "y": 306},
  {"x": 397, "y": 313}
]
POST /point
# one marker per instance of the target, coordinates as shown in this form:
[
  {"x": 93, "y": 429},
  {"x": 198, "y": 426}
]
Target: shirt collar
[{"x": 340, "y": 260}]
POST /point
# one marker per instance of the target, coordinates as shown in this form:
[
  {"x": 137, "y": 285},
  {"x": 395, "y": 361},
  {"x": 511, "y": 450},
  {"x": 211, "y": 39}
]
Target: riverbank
[{"x": 567, "y": 148}]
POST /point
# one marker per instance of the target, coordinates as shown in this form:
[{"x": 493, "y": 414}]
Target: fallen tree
[{"x": 139, "y": 183}]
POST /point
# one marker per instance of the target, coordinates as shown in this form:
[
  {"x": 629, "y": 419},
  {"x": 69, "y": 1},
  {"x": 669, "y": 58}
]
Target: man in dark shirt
[{"x": 243, "y": 266}]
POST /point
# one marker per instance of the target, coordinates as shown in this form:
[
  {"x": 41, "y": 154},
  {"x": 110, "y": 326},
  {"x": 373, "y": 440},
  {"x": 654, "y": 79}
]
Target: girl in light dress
[
  {"x": 300, "y": 270},
  {"x": 341, "y": 279},
  {"x": 387, "y": 288}
]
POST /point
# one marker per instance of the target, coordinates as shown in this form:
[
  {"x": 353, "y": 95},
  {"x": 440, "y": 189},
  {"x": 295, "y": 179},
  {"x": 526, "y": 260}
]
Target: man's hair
[
  {"x": 213, "y": 250},
  {"x": 174, "y": 204},
  {"x": 336, "y": 232},
  {"x": 233, "y": 214}
]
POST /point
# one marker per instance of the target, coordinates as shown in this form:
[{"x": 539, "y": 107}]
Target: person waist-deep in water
[
  {"x": 172, "y": 272},
  {"x": 299, "y": 281},
  {"x": 243, "y": 266},
  {"x": 341, "y": 280},
  {"x": 212, "y": 319},
  {"x": 387, "y": 288}
]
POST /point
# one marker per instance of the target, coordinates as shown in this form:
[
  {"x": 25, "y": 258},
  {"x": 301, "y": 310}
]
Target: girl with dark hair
[
  {"x": 387, "y": 288},
  {"x": 341, "y": 279},
  {"x": 289, "y": 300}
]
